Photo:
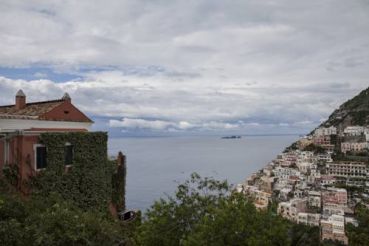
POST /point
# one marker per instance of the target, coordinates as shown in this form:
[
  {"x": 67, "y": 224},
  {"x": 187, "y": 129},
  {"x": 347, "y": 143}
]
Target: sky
[{"x": 194, "y": 67}]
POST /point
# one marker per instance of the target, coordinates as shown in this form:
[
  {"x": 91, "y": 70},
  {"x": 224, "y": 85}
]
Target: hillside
[{"x": 353, "y": 112}]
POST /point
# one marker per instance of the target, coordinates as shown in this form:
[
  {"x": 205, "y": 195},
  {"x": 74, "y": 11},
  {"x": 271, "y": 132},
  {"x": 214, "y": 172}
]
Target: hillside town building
[
  {"x": 333, "y": 229},
  {"x": 325, "y": 131},
  {"x": 354, "y": 146},
  {"x": 355, "y": 130},
  {"x": 309, "y": 182},
  {"x": 348, "y": 169},
  {"x": 312, "y": 219}
]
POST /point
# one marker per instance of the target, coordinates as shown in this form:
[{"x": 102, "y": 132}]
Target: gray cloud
[
  {"x": 275, "y": 63},
  {"x": 157, "y": 103}
]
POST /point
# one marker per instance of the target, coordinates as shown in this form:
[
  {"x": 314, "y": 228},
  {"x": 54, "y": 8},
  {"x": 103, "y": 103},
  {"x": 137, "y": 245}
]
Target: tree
[
  {"x": 206, "y": 212},
  {"x": 170, "y": 220},
  {"x": 54, "y": 221},
  {"x": 237, "y": 222},
  {"x": 359, "y": 235}
]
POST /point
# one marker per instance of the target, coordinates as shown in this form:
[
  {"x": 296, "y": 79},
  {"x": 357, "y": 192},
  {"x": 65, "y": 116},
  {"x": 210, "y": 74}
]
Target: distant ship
[{"x": 231, "y": 137}]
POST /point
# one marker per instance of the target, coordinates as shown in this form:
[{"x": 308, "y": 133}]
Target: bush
[
  {"x": 206, "y": 212},
  {"x": 54, "y": 221}
]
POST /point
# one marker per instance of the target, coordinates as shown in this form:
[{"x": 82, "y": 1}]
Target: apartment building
[
  {"x": 354, "y": 146},
  {"x": 312, "y": 219},
  {"x": 333, "y": 228},
  {"x": 348, "y": 169}
]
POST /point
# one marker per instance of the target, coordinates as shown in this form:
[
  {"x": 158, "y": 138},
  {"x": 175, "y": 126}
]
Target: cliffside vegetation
[
  {"x": 360, "y": 235},
  {"x": 87, "y": 183},
  {"x": 353, "y": 112},
  {"x": 204, "y": 211},
  {"x": 52, "y": 220},
  {"x": 68, "y": 205}
]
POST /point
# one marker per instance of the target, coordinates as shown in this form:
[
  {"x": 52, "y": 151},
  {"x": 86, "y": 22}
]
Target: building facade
[
  {"x": 334, "y": 229},
  {"x": 348, "y": 169},
  {"x": 354, "y": 146},
  {"x": 334, "y": 196},
  {"x": 325, "y": 131},
  {"x": 22, "y": 123}
]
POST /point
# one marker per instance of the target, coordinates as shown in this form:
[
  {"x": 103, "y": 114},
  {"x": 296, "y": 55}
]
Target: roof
[{"x": 34, "y": 110}]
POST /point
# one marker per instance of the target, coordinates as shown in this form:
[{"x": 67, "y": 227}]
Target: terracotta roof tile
[{"x": 31, "y": 111}]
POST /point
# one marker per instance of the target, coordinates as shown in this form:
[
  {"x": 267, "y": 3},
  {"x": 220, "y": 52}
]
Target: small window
[
  {"x": 40, "y": 157},
  {"x": 66, "y": 112},
  {"x": 68, "y": 154}
]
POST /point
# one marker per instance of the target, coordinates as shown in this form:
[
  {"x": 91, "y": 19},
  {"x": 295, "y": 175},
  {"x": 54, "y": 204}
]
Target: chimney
[
  {"x": 20, "y": 100},
  {"x": 66, "y": 97},
  {"x": 121, "y": 159}
]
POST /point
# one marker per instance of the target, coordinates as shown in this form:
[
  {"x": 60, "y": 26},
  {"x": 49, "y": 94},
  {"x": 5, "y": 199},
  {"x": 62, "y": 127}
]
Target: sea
[{"x": 156, "y": 165}]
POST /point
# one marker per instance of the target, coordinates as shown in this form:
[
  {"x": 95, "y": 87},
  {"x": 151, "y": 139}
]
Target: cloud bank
[{"x": 180, "y": 66}]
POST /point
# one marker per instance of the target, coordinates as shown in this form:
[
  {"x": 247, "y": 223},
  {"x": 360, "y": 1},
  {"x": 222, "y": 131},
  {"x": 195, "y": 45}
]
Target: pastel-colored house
[{"x": 22, "y": 123}]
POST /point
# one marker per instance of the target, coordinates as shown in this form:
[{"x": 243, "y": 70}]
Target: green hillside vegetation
[
  {"x": 203, "y": 211},
  {"x": 353, "y": 112},
  {"x": 360, "y": 235},
  {"x": 51, "y": 220}
]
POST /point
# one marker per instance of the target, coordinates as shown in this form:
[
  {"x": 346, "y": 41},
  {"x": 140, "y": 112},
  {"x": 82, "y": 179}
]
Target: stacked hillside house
[
  {"x": 22, "y": 123},
  {"x": 320, "y": 179}
]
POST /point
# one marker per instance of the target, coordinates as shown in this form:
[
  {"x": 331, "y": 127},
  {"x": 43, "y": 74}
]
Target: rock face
[{"x": 353, "y": 112}]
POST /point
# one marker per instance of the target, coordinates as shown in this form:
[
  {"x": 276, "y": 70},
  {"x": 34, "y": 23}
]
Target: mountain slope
[{"x": 353, "y": 112}]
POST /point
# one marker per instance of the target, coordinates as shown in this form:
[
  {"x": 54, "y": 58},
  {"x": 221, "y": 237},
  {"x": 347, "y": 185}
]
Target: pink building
[
  {"x": 334, "y": 196},
  {"x": 22, "y": 123},
  {"x": 353, "y": 146}
]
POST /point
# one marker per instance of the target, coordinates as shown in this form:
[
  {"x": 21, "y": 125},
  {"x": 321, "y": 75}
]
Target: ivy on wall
[
  {"x": 88, "y": 181},
  {"x": 119, "y": 183}
]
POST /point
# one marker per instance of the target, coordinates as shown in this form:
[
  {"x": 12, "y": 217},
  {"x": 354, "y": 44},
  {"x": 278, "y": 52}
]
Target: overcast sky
[{"x": 188, "y": 67}]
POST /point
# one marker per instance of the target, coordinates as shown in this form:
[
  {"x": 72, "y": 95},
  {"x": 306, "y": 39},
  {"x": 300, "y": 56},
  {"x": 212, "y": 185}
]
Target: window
[
  {"x": 68, "y": 154},
  {"x": 40, "y": 157}
]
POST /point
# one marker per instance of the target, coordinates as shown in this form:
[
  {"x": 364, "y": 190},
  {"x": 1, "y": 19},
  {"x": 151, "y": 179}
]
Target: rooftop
[
  {"x": 30, "y": 111},
  {"x": 34, "y": 110}
]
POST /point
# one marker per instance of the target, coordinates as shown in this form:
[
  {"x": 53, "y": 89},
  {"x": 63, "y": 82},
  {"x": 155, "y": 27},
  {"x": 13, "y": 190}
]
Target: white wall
[{"x": 19, "y": 124}]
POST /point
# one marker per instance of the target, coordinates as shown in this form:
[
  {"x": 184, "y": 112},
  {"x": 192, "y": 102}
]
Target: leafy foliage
[
  {"x": 172, "y": 220},
  {"x": 119, "y": 184},
  {"x": 87, "y": 183},
  {"x": 11, "y": 174},
  {"x": 207, "y": 212},
  {"x": 67, "y": 206},
  {"x": 359, "y": 235},
  {"x": 236, "y": 222},
  {"x": 293, "y": 146},
  {"x": 303, "y": 235},
  {"x": 54, "y": 221},
  {"x": 316, "y": 149}
]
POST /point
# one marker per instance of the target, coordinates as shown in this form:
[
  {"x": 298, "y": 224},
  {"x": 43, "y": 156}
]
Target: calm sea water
[{"x": 155, "y": 166}]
